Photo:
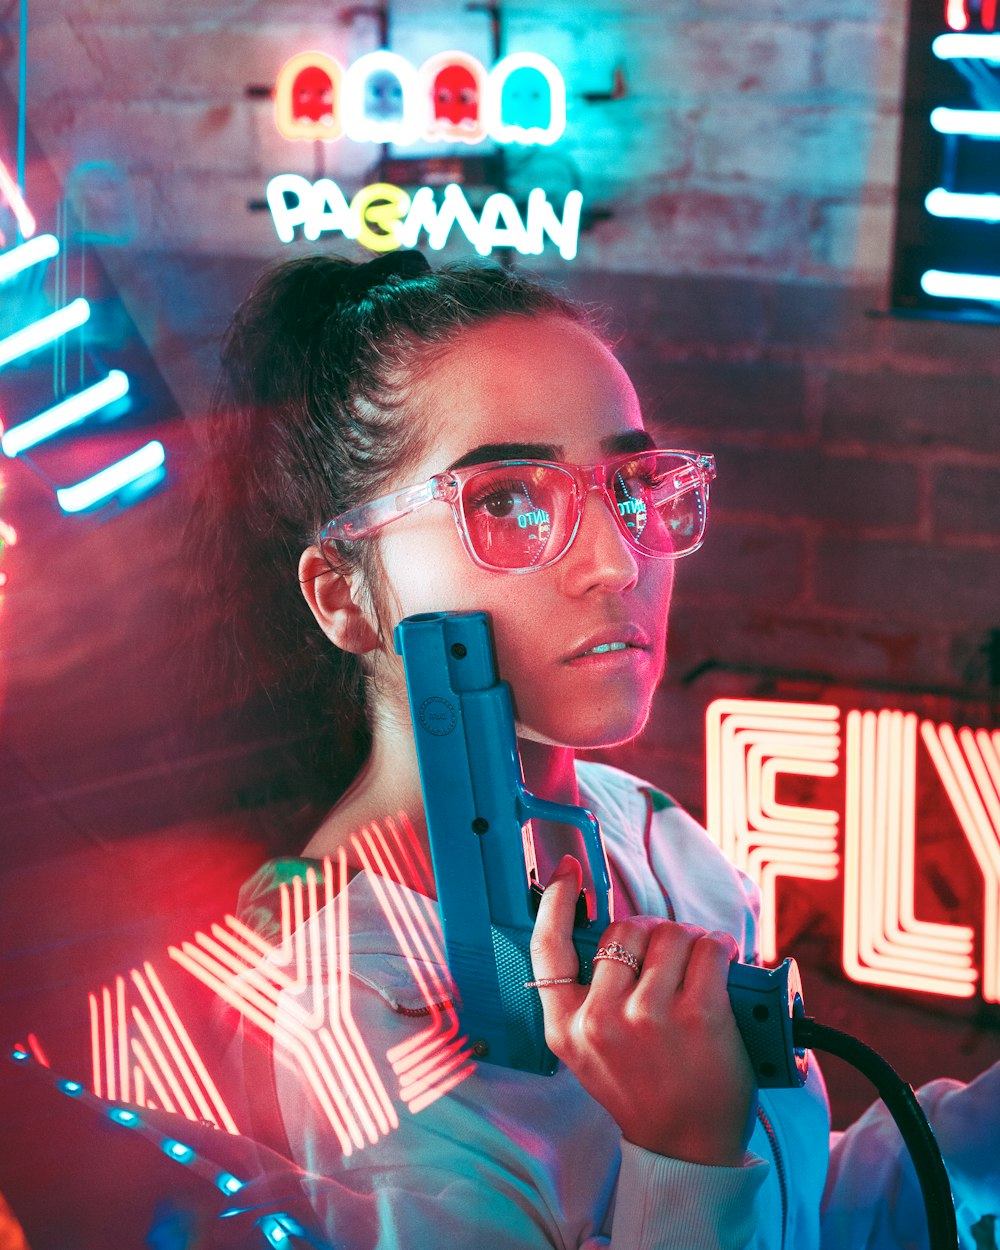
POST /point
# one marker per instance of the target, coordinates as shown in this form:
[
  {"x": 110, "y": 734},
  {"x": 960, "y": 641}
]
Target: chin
[{"x": 594, "y": 736}]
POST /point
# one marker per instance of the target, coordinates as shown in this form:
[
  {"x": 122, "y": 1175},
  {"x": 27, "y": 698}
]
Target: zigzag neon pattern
[
  {"x": 298, "y": 991},
  {"x": 437, "y": 1058},
  {"x": 149, "y": 1044}
]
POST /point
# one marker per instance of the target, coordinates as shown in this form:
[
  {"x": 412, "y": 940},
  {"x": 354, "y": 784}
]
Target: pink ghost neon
[
  {"x": 312, "y": 95},
  {"x": 455, "y": 96}
]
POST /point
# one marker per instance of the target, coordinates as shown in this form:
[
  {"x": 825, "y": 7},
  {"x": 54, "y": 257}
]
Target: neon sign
[
  {"x": 383, "y": 217},
  {"x": 134, "y": 473},
  {"x": 947, "y": 250},
  {"x": 960, "y": 13},
  {"x": 383, "y": 98},
  {"x": 750, "y": 744},
  {"x": 452, "y": 98},
  {"x": 8, "y": 537},
  {"x": 142, "y": 1053}
]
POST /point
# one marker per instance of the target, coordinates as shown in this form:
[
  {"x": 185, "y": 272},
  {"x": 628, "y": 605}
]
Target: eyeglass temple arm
[
  {"x": 368, "y": 517},
  {"x": 698, "y": 474}
]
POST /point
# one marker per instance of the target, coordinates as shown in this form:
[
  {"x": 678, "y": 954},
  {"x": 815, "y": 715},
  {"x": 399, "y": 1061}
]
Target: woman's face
[{"x": 544, "y": 388}]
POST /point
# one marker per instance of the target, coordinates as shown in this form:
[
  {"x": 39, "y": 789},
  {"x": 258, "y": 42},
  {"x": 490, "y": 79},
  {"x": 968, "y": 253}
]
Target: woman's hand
[{"x": 660, "y": 1053}]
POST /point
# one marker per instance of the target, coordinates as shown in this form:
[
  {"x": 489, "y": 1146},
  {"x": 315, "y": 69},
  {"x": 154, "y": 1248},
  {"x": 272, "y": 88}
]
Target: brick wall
[
  {"x": 764, "y": 144},
  {"x": 749, "y": 173}
]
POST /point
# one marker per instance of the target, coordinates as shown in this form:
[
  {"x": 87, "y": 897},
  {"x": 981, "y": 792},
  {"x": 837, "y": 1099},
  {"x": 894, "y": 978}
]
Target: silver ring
[
  {"x": 534, "y": 985},
  {"x": 618, "y": 954}
]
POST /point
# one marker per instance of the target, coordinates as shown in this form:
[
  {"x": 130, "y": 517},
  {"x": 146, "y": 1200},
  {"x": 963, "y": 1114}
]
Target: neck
[
  {"x": 549, "y": 771},
  {"x": 389, "y": 783}
]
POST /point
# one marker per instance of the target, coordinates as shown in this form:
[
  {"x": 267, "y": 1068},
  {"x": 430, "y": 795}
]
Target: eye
[{"x": 500, "y": 500}]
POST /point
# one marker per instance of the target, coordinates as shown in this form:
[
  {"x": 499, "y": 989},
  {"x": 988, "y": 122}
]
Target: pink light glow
[
  {"x": 184, "y": 1051},
  {"x": 163, "y": 1054},
  {"x": 321, "y": 1039},
  {"x": 95, "y": 1044},
  {"x": 35, "y": 1047},
  {"x": 11, "y": 193}
]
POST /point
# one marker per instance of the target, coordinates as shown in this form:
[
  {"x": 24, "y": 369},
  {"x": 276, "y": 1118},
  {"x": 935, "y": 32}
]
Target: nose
[{"x": 601, "y": 554}]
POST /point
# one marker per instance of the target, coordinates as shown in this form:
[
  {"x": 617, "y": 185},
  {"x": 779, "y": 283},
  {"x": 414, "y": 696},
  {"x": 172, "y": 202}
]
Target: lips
[{"x": 610, "y": 639}]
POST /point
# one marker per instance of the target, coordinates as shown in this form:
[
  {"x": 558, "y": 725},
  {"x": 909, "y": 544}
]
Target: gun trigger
[{"x": 581, "y": 917}]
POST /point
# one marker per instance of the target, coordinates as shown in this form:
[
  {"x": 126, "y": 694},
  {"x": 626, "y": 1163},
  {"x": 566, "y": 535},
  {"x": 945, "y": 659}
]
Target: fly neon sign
[
  {"x": 451, "y": 98},
  {"x": 751, "y": 744}
]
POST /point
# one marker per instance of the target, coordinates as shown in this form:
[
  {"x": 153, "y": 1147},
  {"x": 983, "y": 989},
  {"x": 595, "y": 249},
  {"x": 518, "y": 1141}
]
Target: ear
[{"x": 337, "y": 603}]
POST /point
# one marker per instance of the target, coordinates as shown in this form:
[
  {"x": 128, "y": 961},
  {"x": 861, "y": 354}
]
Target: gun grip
[{"x": 764, "y": 1002}]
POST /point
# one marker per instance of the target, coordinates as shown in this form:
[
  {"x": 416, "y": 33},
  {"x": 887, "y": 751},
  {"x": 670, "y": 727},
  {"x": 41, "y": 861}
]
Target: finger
[
  {"x": 613, "y": 972},
  {"x": 552, "y": 952},
  {"x": 707, "y": 972},
  {"x": 668, "y": 953}
]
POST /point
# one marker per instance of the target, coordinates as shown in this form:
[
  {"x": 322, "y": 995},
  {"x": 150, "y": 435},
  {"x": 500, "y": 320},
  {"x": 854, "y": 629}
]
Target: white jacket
[{"x": 512, "y": 1161}]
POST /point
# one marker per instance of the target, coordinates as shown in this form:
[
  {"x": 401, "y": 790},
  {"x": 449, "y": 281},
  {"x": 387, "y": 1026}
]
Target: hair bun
[{"x": 373, "y": 273}]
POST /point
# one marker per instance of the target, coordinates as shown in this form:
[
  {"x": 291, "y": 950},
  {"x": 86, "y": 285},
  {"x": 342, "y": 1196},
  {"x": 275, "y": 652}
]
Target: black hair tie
[{"x": 408, "y": 264}]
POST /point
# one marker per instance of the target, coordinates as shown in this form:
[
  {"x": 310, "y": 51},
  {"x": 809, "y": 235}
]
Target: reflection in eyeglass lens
[{"x": 510, "y": 518}]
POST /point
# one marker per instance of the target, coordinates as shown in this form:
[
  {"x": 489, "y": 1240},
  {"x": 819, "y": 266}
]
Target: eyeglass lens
[{"x": 522, "y": 516}]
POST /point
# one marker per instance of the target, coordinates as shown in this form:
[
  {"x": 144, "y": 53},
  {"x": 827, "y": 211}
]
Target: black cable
[{"x": 902, "y": 1104}]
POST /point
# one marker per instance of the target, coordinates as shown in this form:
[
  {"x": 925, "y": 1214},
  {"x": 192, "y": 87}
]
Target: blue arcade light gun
[{"x": 478, "y": 813}]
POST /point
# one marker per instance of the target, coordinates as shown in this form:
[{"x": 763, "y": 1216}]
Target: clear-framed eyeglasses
[{"x": 516, "y": 516}]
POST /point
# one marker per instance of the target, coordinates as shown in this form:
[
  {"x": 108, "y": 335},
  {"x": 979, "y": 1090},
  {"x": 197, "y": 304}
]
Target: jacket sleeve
[
  {"x": 872, "y": 1198},
  {"x": 477, "y": 1168}
]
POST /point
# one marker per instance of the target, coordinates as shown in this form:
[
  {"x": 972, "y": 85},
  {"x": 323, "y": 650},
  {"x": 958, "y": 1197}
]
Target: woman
[{"x": 347, "y": 386}]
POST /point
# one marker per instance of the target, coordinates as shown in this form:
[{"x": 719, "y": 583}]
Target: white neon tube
[
  {"x": 967, "y": 47},
  {"x": 944, "y": 203},
  {"x": 961, "y": 285},
  {"x": 980, "y": 123},
  {"x": 109, "y": 481},
  {"x": 43, "y": 331},
  {"x": 70, "y": 411},
  {"x": 42, "y": 247}
]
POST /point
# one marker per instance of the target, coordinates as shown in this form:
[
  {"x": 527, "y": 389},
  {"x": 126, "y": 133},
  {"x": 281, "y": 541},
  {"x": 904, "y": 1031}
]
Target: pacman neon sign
[
  {"x": 383, "y": 217},
  {"x": 451, "y": 97},
  {"x": 750, "y": 744}
]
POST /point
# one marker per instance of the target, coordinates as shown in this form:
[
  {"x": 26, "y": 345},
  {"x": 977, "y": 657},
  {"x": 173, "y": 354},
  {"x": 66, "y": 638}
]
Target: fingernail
[{"x": 564, "y": 868}]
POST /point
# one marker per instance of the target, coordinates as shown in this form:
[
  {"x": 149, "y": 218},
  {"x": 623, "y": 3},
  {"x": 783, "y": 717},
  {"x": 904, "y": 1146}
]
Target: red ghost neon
[
  {"x": 312, "y": 95},
  {"x": 454, "y": 83},
  {"x": 456, "y": 96}
]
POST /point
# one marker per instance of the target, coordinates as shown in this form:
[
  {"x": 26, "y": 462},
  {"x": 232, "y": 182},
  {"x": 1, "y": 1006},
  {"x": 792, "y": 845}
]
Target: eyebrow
[{"x": 628, "y": 440}]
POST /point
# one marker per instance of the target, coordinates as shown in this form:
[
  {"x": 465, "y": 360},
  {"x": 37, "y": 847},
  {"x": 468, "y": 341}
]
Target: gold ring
[{"x": 618, "y": 954}]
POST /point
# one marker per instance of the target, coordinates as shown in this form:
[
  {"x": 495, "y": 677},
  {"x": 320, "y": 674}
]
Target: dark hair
[{"x": 308, "y": 420}]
